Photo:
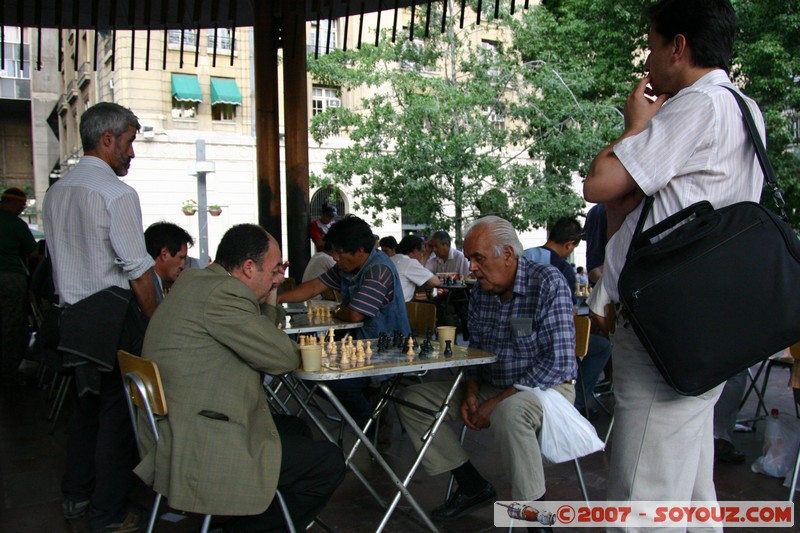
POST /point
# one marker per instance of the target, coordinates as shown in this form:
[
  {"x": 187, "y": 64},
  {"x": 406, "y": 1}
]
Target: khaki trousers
[
  {"x": 662, "y": 445},
  {"x": 515, "y": 423}
]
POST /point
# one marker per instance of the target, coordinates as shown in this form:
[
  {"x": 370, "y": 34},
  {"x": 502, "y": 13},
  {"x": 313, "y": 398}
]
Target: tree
[
  {"x": 438, "y": 136},
  {"x": 582, "y": 55},
  {"x": 767, "y": 66},
  {"x": 594, "y": 51}
]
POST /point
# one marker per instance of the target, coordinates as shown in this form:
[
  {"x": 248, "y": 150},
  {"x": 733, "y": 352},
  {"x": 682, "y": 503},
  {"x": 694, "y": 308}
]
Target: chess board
[{"x": 392, "y": 356}]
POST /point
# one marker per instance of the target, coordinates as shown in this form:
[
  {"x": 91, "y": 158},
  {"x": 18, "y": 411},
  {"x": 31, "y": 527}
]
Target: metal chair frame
[
  {"x": 146, "y": 392},
  {"x": 582, "y": 328}
]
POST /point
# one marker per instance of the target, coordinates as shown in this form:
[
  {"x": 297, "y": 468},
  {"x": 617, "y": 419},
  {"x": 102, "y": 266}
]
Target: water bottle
[{"x": 772, "y": 433}]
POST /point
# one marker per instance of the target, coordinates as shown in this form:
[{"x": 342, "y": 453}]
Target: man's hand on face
[
  {"x": 279, "y": 274},
  {"x": 641, "y": 106}
]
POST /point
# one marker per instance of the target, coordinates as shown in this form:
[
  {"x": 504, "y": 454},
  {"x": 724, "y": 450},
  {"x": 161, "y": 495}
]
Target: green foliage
[
  {"x": 424, "y": 141},
  {"x": 580, "y": 55},
  {"x": 767, "y": 66}
]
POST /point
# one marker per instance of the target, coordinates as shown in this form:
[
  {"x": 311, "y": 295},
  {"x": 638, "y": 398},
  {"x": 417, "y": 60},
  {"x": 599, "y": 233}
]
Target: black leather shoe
[
  {"x": 726, "y": 452},
  {"x": 460, "y": 504}
]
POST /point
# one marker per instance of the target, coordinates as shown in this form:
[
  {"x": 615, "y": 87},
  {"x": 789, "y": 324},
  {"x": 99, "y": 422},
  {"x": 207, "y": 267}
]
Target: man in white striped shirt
[
  {"x": 684, "y": 141},
  {"x": 93, "y": 223}
]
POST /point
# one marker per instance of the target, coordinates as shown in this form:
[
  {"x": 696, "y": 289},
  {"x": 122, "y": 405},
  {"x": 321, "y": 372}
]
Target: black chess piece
[{"x": 448, "y": 350}]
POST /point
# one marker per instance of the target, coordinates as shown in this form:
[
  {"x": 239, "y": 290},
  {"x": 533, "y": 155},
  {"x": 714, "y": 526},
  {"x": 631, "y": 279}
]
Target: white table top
[
  {"x": 302, "y": 324},
  {"x": 296, "y": 308},
  {"x": 395, "y": 362}
]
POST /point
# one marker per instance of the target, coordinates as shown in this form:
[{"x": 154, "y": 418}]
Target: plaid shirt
[{"x": 533, "y": 334}]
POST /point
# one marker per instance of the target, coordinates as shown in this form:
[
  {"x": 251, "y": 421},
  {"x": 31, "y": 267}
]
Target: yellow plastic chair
[
  {"x": 422, "y": 317},
  {"x": 144, "y": 391}
]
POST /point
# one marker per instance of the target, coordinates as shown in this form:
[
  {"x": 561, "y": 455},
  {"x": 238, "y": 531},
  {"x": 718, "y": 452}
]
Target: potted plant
[
  {"x": 189, "y": 207},
  {"x": 215, "y": 210}
]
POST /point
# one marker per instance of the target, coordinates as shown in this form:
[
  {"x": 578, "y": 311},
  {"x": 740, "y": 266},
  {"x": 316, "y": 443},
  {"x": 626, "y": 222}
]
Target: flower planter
[
  {"x": 215, "y": 212},
  {"x": 189, "y": 211}
]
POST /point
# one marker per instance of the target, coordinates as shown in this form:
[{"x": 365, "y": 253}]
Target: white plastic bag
[
  {"x": 565, "y": 434},
  {"x": 781, "y": 442}
]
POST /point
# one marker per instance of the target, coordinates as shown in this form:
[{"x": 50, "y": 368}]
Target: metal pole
[{"x": 202, "y": 203}]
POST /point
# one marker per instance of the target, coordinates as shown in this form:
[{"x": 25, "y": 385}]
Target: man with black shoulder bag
[{"x": 684, "y": 142}]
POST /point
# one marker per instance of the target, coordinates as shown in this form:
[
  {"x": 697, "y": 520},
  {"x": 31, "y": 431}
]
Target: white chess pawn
[
  {"x": 410, "y": 351},
  {"x": 302, "y": 339},
  {"x": 369, "y": 348}
]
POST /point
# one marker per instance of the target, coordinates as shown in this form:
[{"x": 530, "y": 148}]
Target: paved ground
[{"x": 31, "y": 463}]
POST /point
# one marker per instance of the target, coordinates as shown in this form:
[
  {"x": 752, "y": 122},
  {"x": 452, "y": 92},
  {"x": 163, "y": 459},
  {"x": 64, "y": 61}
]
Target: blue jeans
[{"x": 592, "y": 365}]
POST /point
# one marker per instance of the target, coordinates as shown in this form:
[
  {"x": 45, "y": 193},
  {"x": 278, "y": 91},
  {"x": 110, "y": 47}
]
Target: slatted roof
[{"x": 174, "y": 14}]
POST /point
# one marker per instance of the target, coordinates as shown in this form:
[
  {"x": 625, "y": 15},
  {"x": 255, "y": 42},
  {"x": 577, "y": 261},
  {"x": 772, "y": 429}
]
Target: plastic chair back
[
  {"x": 583, "y": 326},
  {"x": 422, "y": 316}
]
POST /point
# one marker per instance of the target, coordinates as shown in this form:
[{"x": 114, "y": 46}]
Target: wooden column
[
  {"x": 268, "y": 166},
  {"x": 295, "y": 97}
]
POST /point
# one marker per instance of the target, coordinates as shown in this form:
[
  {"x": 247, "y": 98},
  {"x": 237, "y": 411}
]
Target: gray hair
[
  {"x": 103, "y": 117},
  {"x": 501, "y": 234}
]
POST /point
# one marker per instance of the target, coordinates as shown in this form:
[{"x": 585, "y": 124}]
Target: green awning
[
  {"x": 186, "y": 88},
  {"x": 225, "y": 91}
]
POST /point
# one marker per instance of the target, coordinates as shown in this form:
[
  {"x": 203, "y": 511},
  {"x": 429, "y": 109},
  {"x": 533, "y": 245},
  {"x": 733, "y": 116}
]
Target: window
[
  {"x": 223, "y": 112},
  {"x": 225, "y": 96},
  {"x": 323, "y": 98},
  {"x": 224, "y": 38},
  {"x": 183, "y": 109},
  {"x": 497, "y": 120},
  {"x": 490, "y": 55},
  {"x": 415, "y": 55},
  {"x": 186, "y": 95},
  {"x": 15, "y": 66},
  {"x": 189, "y": 37},
  {"x": 326, "y": 32}
]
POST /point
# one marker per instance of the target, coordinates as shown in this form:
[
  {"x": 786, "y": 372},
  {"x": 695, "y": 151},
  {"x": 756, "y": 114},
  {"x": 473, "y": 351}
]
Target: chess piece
[
  {"x": 448, "y": 349},
  {"x": 410, "y": 346},
  {"x": 368, "y": 351}
]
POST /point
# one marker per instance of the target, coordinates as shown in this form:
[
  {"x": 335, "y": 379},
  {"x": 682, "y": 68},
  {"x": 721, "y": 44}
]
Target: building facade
[{"x": 195, "y": 85}]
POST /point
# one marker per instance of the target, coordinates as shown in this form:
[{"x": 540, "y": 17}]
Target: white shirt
[
  {"x": 319, "y": 263},
  {"x": 695, "y": 148},
  {"x": 412, "y": 274},
  {"x": 93, "y": 223},
  {"x": 456, "y": 262}
]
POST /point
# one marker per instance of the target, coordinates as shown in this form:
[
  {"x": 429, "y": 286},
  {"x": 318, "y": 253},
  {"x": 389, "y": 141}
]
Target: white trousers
[{"x": 662, "y": 444}]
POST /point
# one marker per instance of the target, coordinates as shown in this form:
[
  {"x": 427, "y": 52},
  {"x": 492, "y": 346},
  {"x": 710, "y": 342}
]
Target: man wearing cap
[
  {"x": 16, "y": 244},
  {"x": 320, "y": 226}
]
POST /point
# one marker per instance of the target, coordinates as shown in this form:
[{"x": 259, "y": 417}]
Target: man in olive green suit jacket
[{"x": 220, "y": 450}]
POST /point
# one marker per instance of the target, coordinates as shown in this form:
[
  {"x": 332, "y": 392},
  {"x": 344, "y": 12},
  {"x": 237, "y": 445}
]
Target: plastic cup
[
  {"x": 312, "y": 357},
  {"x": 444, "y": 334}
]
